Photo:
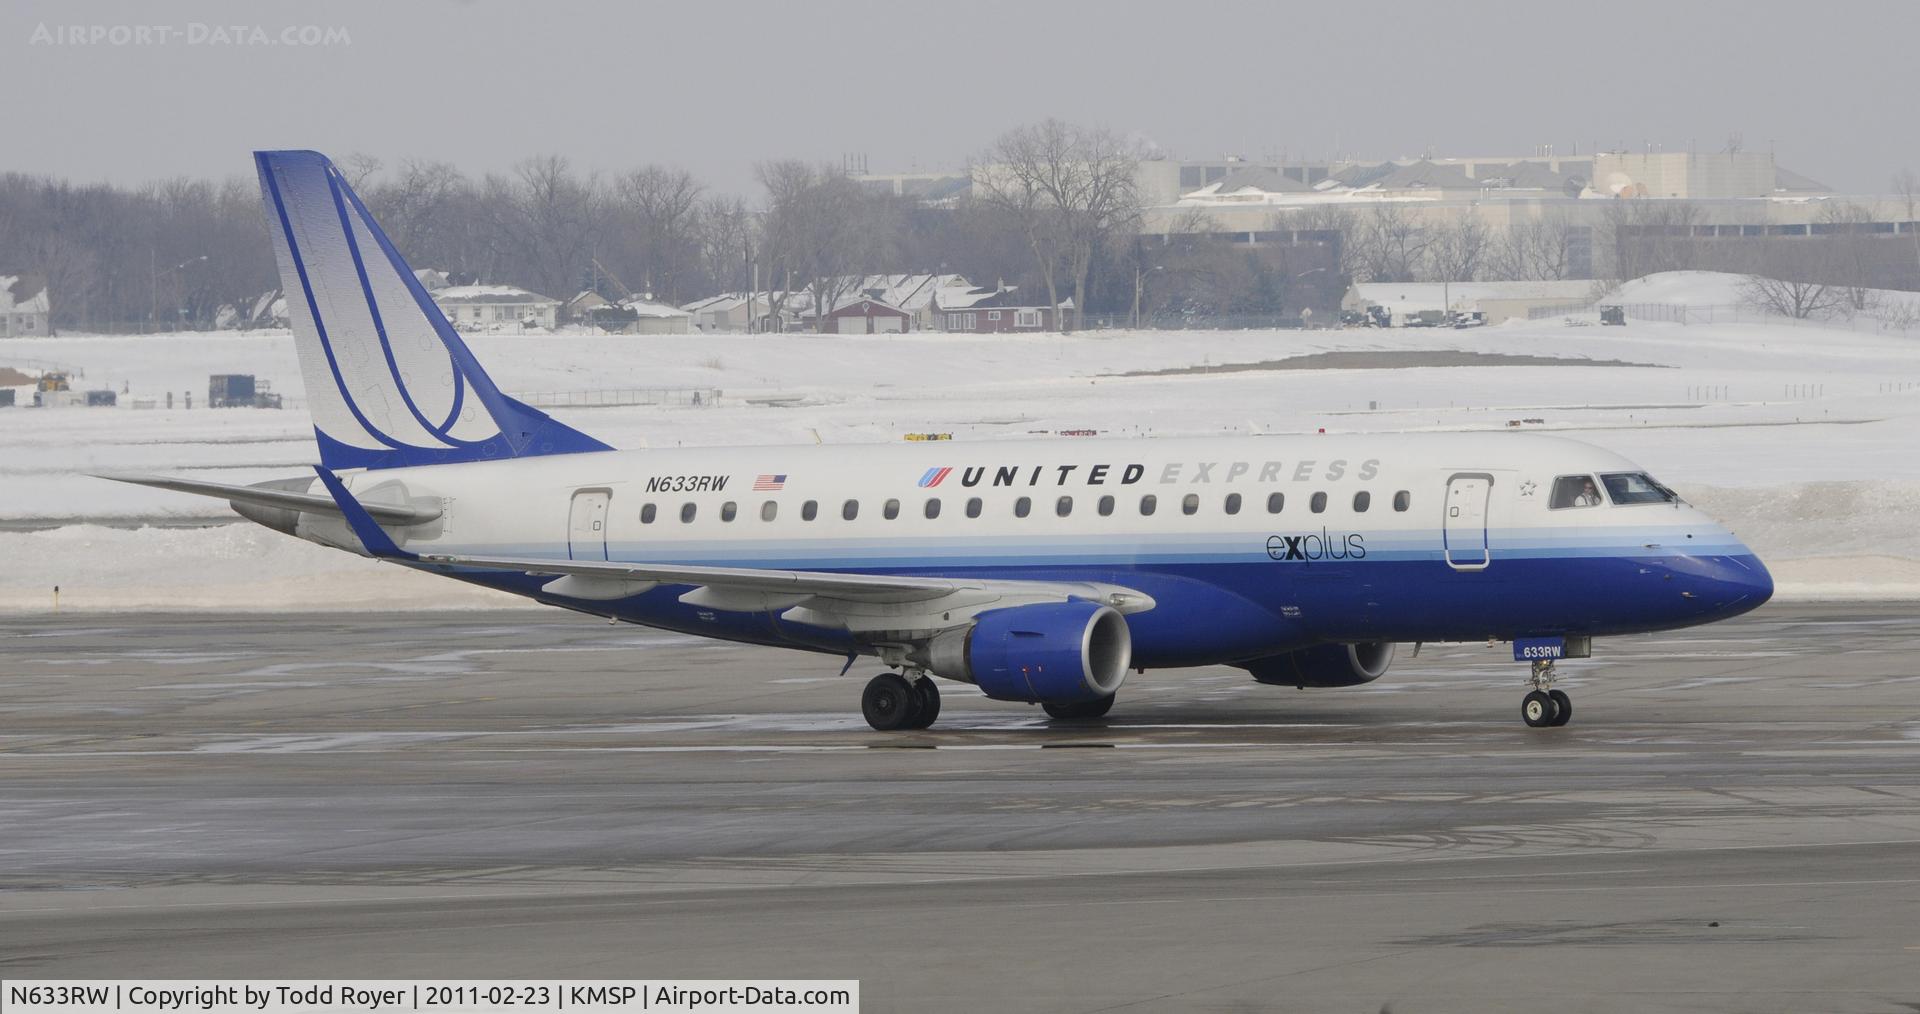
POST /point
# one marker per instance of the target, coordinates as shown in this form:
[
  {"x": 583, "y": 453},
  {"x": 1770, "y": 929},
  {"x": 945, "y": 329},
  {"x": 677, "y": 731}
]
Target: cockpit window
[
  {"x": 1636, "y": 487},
  {"x": 1575, "y": 491}
]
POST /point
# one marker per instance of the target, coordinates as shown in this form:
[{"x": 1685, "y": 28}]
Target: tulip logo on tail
[{"x": 934, "y": 477}]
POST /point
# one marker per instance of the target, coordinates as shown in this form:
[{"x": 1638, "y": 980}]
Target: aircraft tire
[
  {"x": 889, "y": 703},
  {"x": 1537, "y": 709},
  {"x": 1096, "y": 708},
  {"x": 927, "y": 694},
  {"x": 1562, "y": 707}
]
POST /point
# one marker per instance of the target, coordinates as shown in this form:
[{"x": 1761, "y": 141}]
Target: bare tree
[
  {"x": 1395, "y": 242},
  {"x": 546, "y": 220},
  {"x": 1072, "y": 189},
  {"x": 1538, "y": 249},
  {"x": 663, "y": 204},
  {"x": 1797, "y": 299},
  {"x": 1847, "y": 255},
  {"x": 1460, "y": 248}
]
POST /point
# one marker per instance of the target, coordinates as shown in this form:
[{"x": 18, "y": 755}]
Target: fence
[
  {"x": 1730, "y": 313},
  {"x": 692, "y": 397},
  {"x": 1209, "y": 322}
]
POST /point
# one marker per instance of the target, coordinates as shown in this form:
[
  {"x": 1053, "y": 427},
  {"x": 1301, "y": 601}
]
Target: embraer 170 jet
[{"x": 1040, "y": 571}]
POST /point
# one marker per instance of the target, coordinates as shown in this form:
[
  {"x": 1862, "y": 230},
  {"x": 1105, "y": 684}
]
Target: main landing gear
[
  {"x": 893, "y": 702},
  {"x": 1544, "y": 706}
]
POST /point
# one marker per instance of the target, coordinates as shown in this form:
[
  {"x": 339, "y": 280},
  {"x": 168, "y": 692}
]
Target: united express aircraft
[{"x": 1039, "y": 571}]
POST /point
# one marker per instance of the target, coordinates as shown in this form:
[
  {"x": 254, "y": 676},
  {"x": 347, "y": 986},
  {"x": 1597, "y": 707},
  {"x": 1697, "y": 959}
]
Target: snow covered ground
[{"x": 1803, "y": 439}]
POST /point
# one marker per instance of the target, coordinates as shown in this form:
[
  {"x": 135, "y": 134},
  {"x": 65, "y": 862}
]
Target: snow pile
[
  {"x": 229, "y": 567},
  {"x": 1693, "y": 288}
]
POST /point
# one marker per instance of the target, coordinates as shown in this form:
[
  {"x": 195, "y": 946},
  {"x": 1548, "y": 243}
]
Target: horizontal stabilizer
[{"x": 282, "y": 499}]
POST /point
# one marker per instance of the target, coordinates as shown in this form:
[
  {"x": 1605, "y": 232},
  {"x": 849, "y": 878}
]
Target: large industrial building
[{"x": 1616, "y": 213}]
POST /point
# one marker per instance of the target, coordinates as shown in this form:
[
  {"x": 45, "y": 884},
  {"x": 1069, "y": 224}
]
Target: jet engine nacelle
[
  {"x": 1057, "y": 652},
  {"x": 1325, "y": 665}
]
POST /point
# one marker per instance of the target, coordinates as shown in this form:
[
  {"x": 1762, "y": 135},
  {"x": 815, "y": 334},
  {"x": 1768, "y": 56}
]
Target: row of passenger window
[{"x": 1023, "y": 507}]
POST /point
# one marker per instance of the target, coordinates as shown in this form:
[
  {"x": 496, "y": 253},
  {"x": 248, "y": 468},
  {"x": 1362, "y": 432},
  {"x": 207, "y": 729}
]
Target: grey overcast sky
[{"x": 1831, "y": 87}]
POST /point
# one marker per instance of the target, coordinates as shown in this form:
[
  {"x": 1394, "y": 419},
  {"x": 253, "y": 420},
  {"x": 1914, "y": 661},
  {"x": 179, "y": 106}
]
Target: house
[
  {"x": 21, "y": 315},
  {"x": 582, "y": 305},
  {"x": 432, "y": 280},
  {"x": 490, "y": 307},
  {"x": 992, "y": 310},
  {"x": 913, "y": 294},
  {"x": 654, "y": 318},
  {"x": 735, "y": 311},
  {"x": 866, "y": 316}
]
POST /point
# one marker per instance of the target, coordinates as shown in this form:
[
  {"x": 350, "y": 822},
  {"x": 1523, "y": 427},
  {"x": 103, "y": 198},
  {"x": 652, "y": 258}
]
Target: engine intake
[
  {"x": 1325, "y": 665},
  {"x": 1056, "y": 652}
]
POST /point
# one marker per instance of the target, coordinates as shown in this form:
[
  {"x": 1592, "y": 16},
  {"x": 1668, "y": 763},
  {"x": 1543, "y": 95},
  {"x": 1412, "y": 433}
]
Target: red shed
[{"x": 866, "y": 316}]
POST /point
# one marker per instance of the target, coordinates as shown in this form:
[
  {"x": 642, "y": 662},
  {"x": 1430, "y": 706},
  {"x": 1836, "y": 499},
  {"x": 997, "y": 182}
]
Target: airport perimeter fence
[
  {"x": 1733, "y": 313},
  {"x": 673, "y": 397},
  {"x": 1209, "y": 322}
]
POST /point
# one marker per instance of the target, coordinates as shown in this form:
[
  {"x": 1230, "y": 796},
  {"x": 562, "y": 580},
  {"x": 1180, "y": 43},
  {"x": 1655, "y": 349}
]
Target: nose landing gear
[{"x": 1544, "y": 706}]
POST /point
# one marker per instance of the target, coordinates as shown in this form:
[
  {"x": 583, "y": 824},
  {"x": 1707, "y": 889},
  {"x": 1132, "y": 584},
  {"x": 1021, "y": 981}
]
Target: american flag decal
[{"x": 769, "y": 483}]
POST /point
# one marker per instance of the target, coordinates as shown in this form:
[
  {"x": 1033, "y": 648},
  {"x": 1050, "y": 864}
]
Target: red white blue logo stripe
[{"x": 934, "y": 477}]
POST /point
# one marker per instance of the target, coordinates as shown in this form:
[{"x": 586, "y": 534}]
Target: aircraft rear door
[
  {"x": 1464, "y": 530},
  {"x": 587, "y": 524}
]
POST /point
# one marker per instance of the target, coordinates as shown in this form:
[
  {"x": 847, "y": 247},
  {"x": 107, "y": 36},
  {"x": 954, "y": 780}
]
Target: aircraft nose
[{"x": 1739, "y": 582}]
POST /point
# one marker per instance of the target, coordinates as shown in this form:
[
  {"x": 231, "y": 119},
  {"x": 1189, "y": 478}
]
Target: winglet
[{"x": 369, "y": 532}]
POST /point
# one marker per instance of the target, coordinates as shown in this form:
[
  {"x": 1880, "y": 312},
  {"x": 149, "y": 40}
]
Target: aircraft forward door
[
  {"x": 1464, "y": 530},
  {"x": 587, "y": 525}
]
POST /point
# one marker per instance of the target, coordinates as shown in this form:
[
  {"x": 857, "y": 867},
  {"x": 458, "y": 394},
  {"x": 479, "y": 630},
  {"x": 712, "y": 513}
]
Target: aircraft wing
[{"x": 854, "y": 601}]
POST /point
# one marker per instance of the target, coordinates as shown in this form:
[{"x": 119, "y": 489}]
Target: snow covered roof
[
  {"x": 1258, "y": 179},
  {"x": 1002, "y": 299},
  {"x": 647, "y": 308},
  {"x": 36, "y": 303},
  {"x": 485, "y": 294},
  {"x": 911, "y": 293},
  {"x": 1524, "y": 176},
  {"x": 431, "y": 279},
  {"x": 1787, "y": 179},
  {"x": 1424, "y": 175}
]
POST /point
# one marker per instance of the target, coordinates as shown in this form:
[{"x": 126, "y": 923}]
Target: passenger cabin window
[
  {"x": 973, "y": 507},
  {"x": 1574, "y": 491},
  {"x": 647, "y": 514},
  {"x": 686, "y": 513},
  {"x": 1361, "y": 501},
  {"x": 1636, "y": 487},
  {"x": 933, "y": 508},
  {"x": 850, "y": 510},
  {"x": 769, "y": 511},
  {"x": 1318, "y": 504},
  {"x": 1148, "y": 504},
  {"x": 809, "y": 510},
  {"x": 1232, "y": 505},
  {"x": 1106, "y": 506},
  {"x": 1402, "y": 500},
  {"x": 1022, "y": 507},
  {"x": 1276, "y": 502},
  {"x": 890, "y": 510},
  {"x": 1063, "y": 506},
  {"x": 728, "y": 510},
  {"x": 1190, "y": 504}
]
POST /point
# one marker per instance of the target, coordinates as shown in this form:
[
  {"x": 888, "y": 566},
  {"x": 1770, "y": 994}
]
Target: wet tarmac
[{"x": 1732, "y": 821}]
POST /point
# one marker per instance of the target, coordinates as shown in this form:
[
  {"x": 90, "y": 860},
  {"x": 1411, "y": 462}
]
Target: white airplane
[{"x": 1040, "y": 571}]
